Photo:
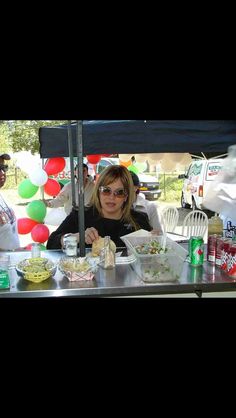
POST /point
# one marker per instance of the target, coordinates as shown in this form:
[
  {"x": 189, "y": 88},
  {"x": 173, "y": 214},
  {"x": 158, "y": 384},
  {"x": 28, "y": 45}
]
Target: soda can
[
  {"x": 196, "y": 274},
  {"x": 196, "y": 247},
  {"x": 225, "y": 253},
  {"x": 231, "y": 262},
  {"x": 219, "y": 248},
  {"x": 210, "y": 272},
  {"x": 211, "y": 248}
]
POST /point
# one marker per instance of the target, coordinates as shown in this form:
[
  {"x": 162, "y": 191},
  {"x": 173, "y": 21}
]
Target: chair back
[
  {"x": 195, "y": 224},
  {"x": 170, "y": 217}
]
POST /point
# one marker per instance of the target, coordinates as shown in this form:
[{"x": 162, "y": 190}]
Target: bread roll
[{"x": 98, "y": 245}]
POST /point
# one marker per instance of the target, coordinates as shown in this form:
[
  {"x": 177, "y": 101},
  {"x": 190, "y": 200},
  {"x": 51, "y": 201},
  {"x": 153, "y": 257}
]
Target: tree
[
  {"x": 4, "y": 138},
  {"x": 23, "y": 135}
]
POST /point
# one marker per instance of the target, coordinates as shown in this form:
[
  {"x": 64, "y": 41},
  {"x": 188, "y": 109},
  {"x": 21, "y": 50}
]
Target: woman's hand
[{"x": 91, "y": 234}]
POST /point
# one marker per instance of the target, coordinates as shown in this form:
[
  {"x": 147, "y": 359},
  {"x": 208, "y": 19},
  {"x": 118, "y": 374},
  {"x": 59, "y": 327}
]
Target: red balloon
[
  {"x": 28, "y": 247},
  {"x": 55, "y": 165},
  {"x": 40, "y": 233},
  {"x": 106, "y": 155},
  {"x": 94, "y": 159},
  {"x": 52, "y": 187},
  {"x": 25, "y": 225}
]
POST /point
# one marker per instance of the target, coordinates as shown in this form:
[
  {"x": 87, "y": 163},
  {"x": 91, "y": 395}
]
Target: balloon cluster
[
  {"x": 36, "y": 210},
  {"x": 168, "y": 161},
  {"x": 134, "y": 166}
]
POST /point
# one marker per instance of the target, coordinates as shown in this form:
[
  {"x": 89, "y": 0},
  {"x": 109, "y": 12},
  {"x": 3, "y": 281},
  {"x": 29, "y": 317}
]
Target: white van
[{"x": 197, "y": 180}]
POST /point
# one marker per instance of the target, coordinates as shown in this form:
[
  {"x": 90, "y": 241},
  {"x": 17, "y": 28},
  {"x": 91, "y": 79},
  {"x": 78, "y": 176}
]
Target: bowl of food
[
  {"x": 78, "y": 268},
  {"x": 158, "y": 259},
  {"x": 36, "y": 270}
]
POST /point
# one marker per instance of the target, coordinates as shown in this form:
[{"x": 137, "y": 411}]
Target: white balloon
[
  {"x": 184, "y": 163},
  {"x": 176, "y": 157},
  {"x": 26, "y": 161},
  {"x": 38, "y": 177},
  {"x": 125, "y": 157},
  {"x": 141, "y": 158},
  {"x": 155, "y": 158},
  {"x": 55, "y": 216},
  {"x": 168, "y": 165}
]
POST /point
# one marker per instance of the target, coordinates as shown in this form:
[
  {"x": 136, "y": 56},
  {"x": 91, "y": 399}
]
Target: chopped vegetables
[{"x": 152, "y": 247}]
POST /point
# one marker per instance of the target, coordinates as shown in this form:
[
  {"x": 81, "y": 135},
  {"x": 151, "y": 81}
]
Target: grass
[{"x": 171, "y": 188}]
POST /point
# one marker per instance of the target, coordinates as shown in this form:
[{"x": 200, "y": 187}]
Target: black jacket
[{"x": 114, "y": 228}]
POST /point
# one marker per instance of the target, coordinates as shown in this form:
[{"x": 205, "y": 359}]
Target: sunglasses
[
  {"x": 3, "y": 167},
  {"x": 106, "y": 191}
]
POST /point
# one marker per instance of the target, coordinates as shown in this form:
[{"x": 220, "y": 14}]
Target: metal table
[{"x": 121, "y": 281}]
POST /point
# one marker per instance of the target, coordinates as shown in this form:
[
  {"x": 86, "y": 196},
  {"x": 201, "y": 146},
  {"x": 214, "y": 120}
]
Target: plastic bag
[{"x": 221, "y": 195}]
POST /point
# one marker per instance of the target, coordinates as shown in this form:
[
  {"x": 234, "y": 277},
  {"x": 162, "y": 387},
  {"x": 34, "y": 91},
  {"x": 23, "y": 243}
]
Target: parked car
[
  {"x": 149, "y": 185},
  {"x": 197, "y": 180}
]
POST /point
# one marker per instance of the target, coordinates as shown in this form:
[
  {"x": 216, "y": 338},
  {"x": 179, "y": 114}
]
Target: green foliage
[
  {"x": 23, "y": 135},
  {"x": 14, "y": 177},
  {"x": 4, "y": 138},
  {"x": 171, "y": 188}
]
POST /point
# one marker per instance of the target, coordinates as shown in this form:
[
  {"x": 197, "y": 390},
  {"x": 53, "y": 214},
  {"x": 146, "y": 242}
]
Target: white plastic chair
[
  {"x": 195, "y": 224},
  {"x": 170, "y": 217}
]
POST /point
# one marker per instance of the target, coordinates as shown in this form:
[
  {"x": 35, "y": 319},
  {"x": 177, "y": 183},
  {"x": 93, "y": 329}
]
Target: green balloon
[
  {"x": 133, "y": 168},
  {"x": 42, "y": 247},
  {"x": 36, "y": 210},
  {"x": 141, "y": 167},
  {"x": 26, "y": 189}
]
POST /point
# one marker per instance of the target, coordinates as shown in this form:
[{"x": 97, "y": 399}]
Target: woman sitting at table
[{"x": 110, "y": 211}]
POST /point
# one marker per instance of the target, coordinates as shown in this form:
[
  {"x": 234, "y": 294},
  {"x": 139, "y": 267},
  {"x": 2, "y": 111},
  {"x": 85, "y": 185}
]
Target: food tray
[
  {"x": 36, "y": 270},
  {"x": 78, "y": 268},
  {"x": 153, "y": 268}
]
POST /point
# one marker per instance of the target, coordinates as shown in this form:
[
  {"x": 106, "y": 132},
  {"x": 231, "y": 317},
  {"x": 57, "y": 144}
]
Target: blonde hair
[{"x": 108, "y": 176}]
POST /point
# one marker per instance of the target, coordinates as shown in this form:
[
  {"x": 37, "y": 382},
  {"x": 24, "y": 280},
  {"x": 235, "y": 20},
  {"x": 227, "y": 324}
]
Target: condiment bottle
[
  {"x": 4, "y": 275},
  {"x": 35, "y": 250},
  {"x": 107, "y": 255},
  {"x": 215, "y": 225}
]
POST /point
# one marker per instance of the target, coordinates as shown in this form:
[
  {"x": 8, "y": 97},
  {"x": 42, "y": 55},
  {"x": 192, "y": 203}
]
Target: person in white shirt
[
  {"x": 140, "y": 204},
  {"x": 9, "y": 238},
  {"x": 64, "y": 197}
]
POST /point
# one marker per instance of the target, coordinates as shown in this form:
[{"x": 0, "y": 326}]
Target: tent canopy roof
[{"x": 212, "y": 137}]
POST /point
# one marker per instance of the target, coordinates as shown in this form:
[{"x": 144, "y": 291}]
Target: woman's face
[{"x": 112, "y": 204}]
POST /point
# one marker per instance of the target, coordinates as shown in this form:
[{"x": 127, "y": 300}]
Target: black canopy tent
[
  {"x": 135, "y": 136},
  {"x": 212, "y": 137}
]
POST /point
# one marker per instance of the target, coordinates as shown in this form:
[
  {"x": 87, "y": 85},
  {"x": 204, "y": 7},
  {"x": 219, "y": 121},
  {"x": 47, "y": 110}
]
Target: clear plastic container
[
  {"x": 154, "y": 268},
  {"x": 215, "y": 226}
]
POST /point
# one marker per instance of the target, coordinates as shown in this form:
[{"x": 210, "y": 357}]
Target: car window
[{"x": 195, "y": 169}]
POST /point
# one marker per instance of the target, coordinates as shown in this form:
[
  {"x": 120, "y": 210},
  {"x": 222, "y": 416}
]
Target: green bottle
[{"x": 4, "y": 276}]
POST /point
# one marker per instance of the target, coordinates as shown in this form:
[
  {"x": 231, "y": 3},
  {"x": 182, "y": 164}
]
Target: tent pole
[
  {"x": 79, "y": 149},
  {"x": 70, "y": 148}
]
